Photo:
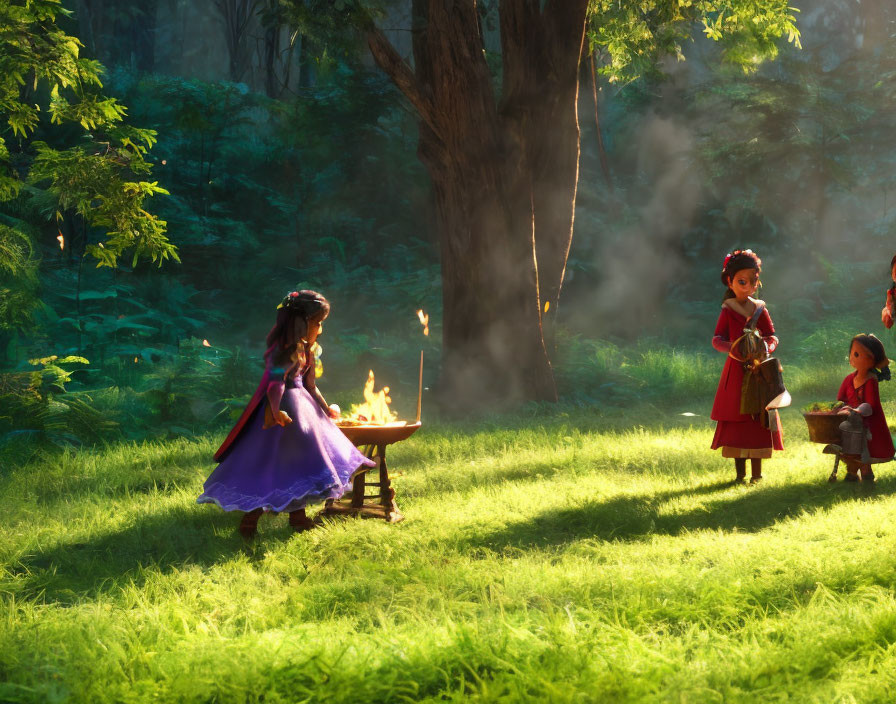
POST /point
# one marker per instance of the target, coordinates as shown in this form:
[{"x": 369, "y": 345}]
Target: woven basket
[{"x": 824, "y": 427}]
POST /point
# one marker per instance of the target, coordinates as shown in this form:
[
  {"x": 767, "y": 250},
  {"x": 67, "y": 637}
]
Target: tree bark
[
  {"x": 94, "y": 29},
  {"x": 271, "y": 51},
  {"x": 602, "y": 153},
  {"x": 504, "y": 175},
  {"x": 276, "y": 70},
  {"x": 307, "y": 76},
  {"x": 541, "y": 55}
]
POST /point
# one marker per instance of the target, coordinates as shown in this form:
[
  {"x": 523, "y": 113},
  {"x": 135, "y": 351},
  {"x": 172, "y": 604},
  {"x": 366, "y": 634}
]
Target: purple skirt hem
[
  {"x": 285, "y": 468},
  {"x": 250, "y": 503}
]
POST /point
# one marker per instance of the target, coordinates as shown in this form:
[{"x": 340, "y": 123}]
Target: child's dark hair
[
  {"x": 296, "y": 312},
  {"x": 738, "y": 260},
  {"x": 875, "y": 347}
]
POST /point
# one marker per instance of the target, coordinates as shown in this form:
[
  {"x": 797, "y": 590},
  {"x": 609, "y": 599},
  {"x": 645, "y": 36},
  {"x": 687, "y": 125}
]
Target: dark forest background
[{"x": 291, "y": 163}]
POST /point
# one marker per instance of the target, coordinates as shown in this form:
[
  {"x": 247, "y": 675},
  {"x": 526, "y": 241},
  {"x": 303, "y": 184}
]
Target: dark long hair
[
  {"x": 875, "y": 347},
  {"x": 738, "y": 260},
  {"x": 296, "y": 313}
]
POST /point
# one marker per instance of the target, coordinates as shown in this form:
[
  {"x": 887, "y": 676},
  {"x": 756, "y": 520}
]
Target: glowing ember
[
  {"x": 61, "y": 241},
  {"x": 205, "y": 343},
  {"x": 375, "y": 409},
  {"x": 424, "y": 321},
  {"x": 547, "y": 305}
]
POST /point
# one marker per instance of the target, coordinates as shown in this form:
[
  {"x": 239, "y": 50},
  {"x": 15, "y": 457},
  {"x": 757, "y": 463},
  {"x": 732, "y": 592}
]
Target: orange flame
[
  {"x": 375, "y": 408},
  {"x": 205, "y": 343},
  {"x": 61, "y": 240},
  {"x": 424, "y": 321}
]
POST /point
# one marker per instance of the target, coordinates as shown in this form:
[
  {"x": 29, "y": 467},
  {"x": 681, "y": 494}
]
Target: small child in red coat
[{"x": 859, "y": 391}]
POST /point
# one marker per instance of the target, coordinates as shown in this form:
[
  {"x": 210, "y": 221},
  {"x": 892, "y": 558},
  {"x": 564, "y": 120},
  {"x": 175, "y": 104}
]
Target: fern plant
[
  {"x": 18, "y": 279},
  {"x": 37, "y": 411}
]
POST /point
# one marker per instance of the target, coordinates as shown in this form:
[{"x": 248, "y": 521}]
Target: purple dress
[{"x": 282, "y": 468}]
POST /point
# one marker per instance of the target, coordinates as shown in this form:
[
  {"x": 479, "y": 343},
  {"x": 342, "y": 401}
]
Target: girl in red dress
[
  {"x": 859, "y": 391},
  {"x": 742, "y": 436}
]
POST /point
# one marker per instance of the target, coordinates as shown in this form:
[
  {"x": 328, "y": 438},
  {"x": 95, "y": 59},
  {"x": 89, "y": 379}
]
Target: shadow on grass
[
  {"x": 633, "y": 517},
  {"x": 449, "y": 480},
  {"x": 123, "y": 480},
  {"x": 111, "y": 489},
  {"x": 182, "y": 537}
]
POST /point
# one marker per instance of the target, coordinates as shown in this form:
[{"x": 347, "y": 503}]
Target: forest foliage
[
  {"x": 47, "y": 92},
  {"x": 322, "y": 188}
]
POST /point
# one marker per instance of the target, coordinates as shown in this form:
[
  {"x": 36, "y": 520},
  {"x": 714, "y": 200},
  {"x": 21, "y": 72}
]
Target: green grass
[{"x": 557, "y": 555}]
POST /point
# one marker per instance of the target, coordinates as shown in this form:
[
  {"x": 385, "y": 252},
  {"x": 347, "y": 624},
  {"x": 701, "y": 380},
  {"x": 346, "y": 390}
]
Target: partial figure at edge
[{"x": 888, "y": 313}]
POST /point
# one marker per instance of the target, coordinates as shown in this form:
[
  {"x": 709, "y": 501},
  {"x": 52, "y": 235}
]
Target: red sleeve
[
  {"x": 767, "y": 329},
  {"x": 722, "y": 325},
  {"x": 720, "y": 341},
  {"x": 872, "y": 394},
  {"x": 765, "y": 325},
  {"x": 841, "y": 394}
]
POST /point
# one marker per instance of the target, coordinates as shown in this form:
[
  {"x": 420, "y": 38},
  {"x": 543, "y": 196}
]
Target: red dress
[
  {"x": 891, "y": 306},
  {"x": 880, "y": 446},
  {"x": 739, "y": 434}
]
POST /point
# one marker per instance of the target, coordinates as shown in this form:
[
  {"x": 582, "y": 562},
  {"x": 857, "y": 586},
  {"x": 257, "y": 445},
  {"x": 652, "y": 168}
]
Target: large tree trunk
[
  {"x": 504, "y": 177},
  {"x": 541, "y": 54}
]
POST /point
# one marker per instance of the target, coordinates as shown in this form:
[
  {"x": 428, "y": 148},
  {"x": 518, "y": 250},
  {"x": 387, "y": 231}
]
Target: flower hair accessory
[
  {"x": 288, "y": 299},
  {"x": 731, "y": 255}
]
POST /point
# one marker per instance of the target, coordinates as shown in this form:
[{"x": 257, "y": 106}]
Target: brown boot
[
  {"x": 249, "y": 525},
  {"x": 740, "y": 470},
  {"x": 867, "y": 473},
  {"x": 300, "y": 522},
  {"x": 755, "y": 470}
]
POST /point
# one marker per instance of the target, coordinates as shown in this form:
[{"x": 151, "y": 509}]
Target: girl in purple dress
[{"x": 285, "y": 450}]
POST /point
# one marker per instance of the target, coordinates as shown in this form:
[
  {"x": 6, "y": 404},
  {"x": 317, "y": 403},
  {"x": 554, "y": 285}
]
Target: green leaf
[{"x": 90, "y": 295}]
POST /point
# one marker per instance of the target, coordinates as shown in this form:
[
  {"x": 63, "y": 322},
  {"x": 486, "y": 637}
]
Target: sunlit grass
[{"x": 560, "y": 555}]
